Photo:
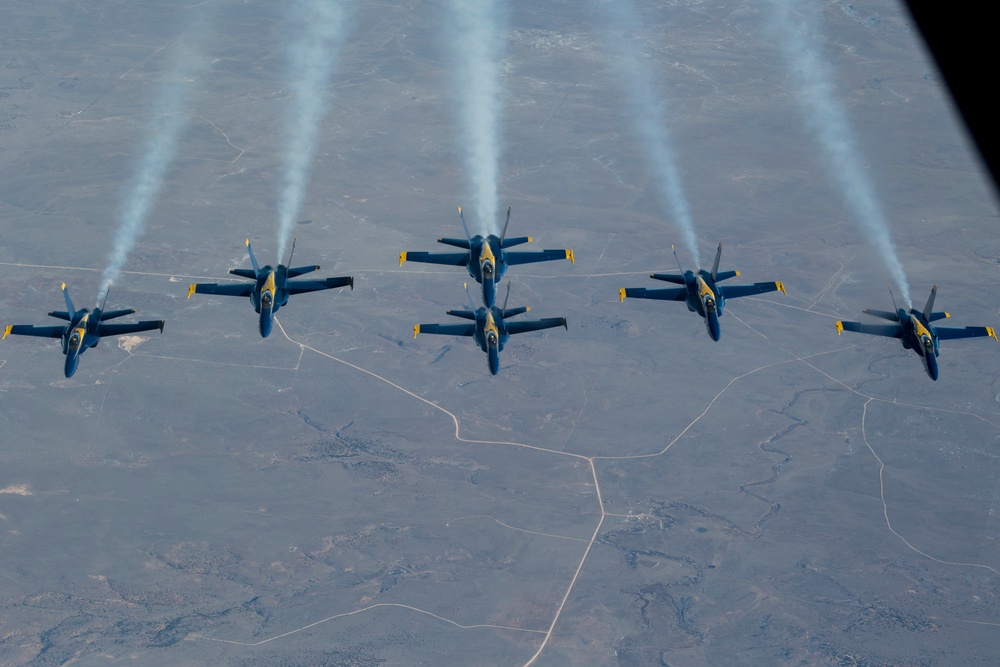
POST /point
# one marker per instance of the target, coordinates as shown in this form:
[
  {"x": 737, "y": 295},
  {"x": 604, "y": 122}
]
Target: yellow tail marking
[
  {"x": 248, "y": 243},
  {"x": 63, "y": 287},
  {"x": 989, "y": 332},
  {"x": 570, "y": 257},
  {"x": 947, "y": 315},
  {"x": 781, "y": 287},
  {"x": 737, "y": 272},
  {"x": 416, "y": 330},
  {"x": 11, "y": 326},
  {"x": 621, "y": 295},
  {"x": 402, "y": 257},
  {"x": 191, "y": 288},
  {"x": 531, "y": 239},
  {"x": 840, "y": 327}
]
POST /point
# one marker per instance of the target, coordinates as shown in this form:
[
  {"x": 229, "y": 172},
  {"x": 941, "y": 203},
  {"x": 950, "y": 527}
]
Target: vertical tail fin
[
  {"x": 461, "y": 215},
  {"x": 290, "y": 253},
  {"x": 69, "y": 301},
  {"x": 718, "y": 257},
  {"x": 677, "y": 258},
  {"x": 504, "y": 232},
  {"x": 506, "y": 298},
  {"x": 930, "y": 304},
  {"x": 253, "y": 260}
]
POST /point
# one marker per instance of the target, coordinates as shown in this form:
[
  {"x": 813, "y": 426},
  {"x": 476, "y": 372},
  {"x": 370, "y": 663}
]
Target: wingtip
[
  {"x": 6, "y": 331},
  {"x": 565, "y": 324},
  {"x": 402, "y": 257},
  {"x": 161, "y": 325},
  {"x": 416, "y": 330},
  {"x": 248, "y": 243},
  {"x": 63, "y": 288},
  {"x": 570, "y": 256},
  {"x": 621, "y": 295},
  {"x": 737, "y": 271},
  {"x": 840, "y": 327},
  {"x": 352, "y": 283},
  {"x": 191, "y": 289},
  {"x": 781, "y": 287},
  {"x": 990, "y": 331},
  {"x": 527, "y": 309}
]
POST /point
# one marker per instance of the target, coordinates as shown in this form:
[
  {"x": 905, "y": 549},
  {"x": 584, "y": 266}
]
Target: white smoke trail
[
  {"x": 475, "y": 38},
  {"x": 826, "y": 117},
  {"x": 319, "y": 25},
  {"x": 160, "y": 147},
  {"x": 650, "y": 118}
]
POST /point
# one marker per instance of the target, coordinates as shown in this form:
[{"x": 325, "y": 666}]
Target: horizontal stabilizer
[
  {"x": 464, "y": 314},
  {"x": 61, "y": 315},
  {"x": 883, "y": 314},
  {"x": 244, "y": 273},
  {"x": 675, "y": 278},
  {"x": 517, "y": 240},
  {"x": 725, "y": 275},
  {"x": 112, "y": 314},
  {"x": 301, "y": 270},
  {"x": 934, "y": 317},
  {"x": 458, "y": 243},
  {"x": 513, "y": 312}
]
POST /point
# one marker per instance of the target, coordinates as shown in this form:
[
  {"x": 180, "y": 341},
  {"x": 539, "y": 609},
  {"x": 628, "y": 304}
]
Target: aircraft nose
[
  {"x": 494, "y": 361},
  {"x": 265, "y": 322}
]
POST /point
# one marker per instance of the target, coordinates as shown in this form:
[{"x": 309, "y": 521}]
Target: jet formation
[
  {"x": 701, "y": 291},
  {"x": 486, "y": 257},
  {"x": 84, "y": 329},
  {"x": 271, "y": 287},
  {"x": 489, "y": 327},
  {"x": 914, "y": 330}
]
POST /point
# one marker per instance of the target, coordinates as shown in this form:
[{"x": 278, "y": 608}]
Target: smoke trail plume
[
  {"x": 319, "y": 25},
  {"x": 158, "y": 152},
  {"x": 826, "y": 117},
  {"x": 650, "y": 118},
  {"x": 476, "y": 43}
]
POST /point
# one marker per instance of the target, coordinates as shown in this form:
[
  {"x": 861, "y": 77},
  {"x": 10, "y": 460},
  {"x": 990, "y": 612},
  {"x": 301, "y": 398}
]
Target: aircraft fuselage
[
  {"x": 704, "y": 298},
  {"x": 270, "y": 293}
]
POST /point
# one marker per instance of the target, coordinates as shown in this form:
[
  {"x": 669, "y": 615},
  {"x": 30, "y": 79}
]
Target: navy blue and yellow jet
[
  {"x": 489, "y": 327},
  {"x": 701, "y": 291},
  {"x": 84, "y": 330},
  {"x": 271, "y": 287},
  {"x": 914, "y": 330},
  {"x": 486, "y": 258}
]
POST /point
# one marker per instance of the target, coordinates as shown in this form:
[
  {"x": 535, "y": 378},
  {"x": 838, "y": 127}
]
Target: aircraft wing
[
  {"x": 133, "y": 327},
  {"x": 887, "y": 330},
  {"x": 666, "y": 294},
  {"x": 446, "y": 258},
  {"x": 535, "y": 325},
  {"x": 529, "y": 257},
  {"x": 231, "y": 289},
  {"x": 445, "y": 329},
  {"x": 736, "y": 291},
  {"x": 951, "y": 333},
  {"x": 303, "y": 286},
  {"x": 31, "y": 330}
]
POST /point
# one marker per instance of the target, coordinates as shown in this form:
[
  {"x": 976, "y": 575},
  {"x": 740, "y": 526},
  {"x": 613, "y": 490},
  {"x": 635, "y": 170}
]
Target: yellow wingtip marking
[
  {"x": 527, "y": 309},
  {"x": 947, "y": 315},
  {"x": 460, "y": 210},
  {"x": 989, "y": 330},
  {"x": 191, "y": 288},
  {"x": 402, "y": 257},
  {"x": 737, "y": 270},
  {"x": 840, "y": 327},
  {"x": 531, "y": 239},
  {"x": 781, "y": 287},
  {"x": 416, "y": 330},
  {"x": 248, "y": 243},
  {"x": 63, "y": 288},
  {"x": 6, "y": 331},
  {"x": 570, "y": 256},
  {"x": 621, "y": 295}
]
